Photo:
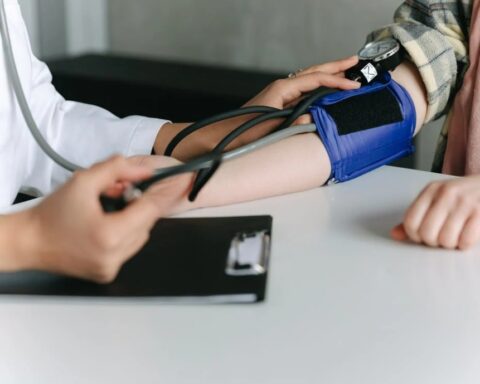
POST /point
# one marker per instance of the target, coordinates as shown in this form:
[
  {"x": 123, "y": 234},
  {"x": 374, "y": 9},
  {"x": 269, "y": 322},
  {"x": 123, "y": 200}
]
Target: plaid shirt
[{"x": 435, "y": 35}]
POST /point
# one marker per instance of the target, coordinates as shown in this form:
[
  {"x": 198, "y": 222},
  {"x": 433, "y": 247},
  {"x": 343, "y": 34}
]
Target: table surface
[{"x": 345, "y": 305}]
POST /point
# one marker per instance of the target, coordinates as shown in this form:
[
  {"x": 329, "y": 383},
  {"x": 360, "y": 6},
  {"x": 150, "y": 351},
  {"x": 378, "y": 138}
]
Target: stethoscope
[{"x": 206, "y": 165}]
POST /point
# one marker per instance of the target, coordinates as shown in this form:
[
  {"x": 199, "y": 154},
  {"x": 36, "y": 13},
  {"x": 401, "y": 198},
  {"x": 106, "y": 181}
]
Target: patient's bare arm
[{"x": 296, "y": 164}]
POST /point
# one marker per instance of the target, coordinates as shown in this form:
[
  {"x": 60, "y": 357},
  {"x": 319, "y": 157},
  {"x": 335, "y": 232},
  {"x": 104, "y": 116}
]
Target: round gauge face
[{"x": 378, "y": 48}]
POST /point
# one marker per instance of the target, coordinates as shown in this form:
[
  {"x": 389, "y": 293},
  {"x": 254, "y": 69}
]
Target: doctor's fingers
[
  {"x": 315, "y": 80},
  {"x": 107, "y": 174},
  {"x": 291, "y": 90},
  {"x": 332, "y": 68}
]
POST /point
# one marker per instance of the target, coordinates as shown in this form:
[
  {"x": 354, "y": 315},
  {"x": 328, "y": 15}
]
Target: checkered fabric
[{"x": 433, "y": 34}]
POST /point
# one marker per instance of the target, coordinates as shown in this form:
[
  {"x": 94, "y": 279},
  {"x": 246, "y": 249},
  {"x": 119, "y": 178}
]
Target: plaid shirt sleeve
[{"x": 431, "y": 31}]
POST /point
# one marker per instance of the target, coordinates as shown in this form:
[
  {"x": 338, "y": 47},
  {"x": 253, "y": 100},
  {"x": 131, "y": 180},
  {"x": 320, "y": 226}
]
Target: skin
[
  {"x": 446, "y": 214},
  {"x": 297, "y": 164},
  {"x": 280, "y": 94},
  {"x": 68, "y": 233},
  {"x": 95, "y": 245}
]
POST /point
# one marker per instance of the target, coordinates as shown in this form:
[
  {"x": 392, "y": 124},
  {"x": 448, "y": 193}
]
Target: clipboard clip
[{"x": 249, "y": 254}]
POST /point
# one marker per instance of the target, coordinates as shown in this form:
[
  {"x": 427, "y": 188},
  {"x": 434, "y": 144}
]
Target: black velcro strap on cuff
[{"x": 363, "y": 112}]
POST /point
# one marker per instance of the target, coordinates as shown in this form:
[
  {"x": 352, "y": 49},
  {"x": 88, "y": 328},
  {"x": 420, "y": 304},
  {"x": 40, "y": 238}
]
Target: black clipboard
[{"x": 205, "y": 260}]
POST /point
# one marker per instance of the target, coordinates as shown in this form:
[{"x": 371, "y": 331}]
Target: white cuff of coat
[{"x": 144, "y": 136}]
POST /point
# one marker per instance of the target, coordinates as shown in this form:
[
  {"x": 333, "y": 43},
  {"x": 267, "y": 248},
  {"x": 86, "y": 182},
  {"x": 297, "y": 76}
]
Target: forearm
[
  {"x": 296, "y": 164},
  {"x": 196, "y": 144},
  {"x": 205, "y": 140}
]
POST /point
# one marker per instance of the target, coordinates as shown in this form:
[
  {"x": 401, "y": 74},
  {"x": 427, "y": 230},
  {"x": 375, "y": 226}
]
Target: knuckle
[
  {"x": 466, "y": 242},
  {"x": 409, "y": 223},
  {"x": 412, "y": 234},
  {"x": 322, "y": 76},
  {"x": 476, "y": 213},
  {"x": 433, "y": 186},
  {"x": 446, "y": 242},
  {"x": 444, "y": 191},
  {"x": 471, "y": 236},
  {"x": 448, "y": 191},
  {"x": 464, "y": 201},
  {"x": 105, "y": 239},
  {"x": 119, "y": 160}
]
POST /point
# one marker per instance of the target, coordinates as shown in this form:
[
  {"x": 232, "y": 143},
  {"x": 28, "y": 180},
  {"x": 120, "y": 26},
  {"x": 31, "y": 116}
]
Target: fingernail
[{"x": 398, "y": 233}]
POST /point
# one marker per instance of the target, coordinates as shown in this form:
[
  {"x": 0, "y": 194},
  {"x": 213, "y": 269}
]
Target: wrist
[
  {"x": 200, "y": 142},
  {"x": 166, "y": 135},
  {"x": 18, "y": 238}
]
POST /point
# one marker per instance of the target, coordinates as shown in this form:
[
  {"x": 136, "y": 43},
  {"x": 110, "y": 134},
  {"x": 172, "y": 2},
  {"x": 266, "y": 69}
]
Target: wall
[
  {"x": 265, "y": 34},
  {"x": 279, "y": 35},
  {"x": 61, "y": 27},
  {"x": 87, "y": 26},
  {"x": 30, "y": 14}
]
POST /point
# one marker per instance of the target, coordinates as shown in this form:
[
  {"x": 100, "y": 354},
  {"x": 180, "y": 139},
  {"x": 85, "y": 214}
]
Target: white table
[{"x": 345, "y": 305}]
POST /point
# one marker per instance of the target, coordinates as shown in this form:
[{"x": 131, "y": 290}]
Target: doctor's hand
[
  {"x": 72, "y": 235},
  {"x": 281, "y": 94},
  {"x": 446, "y": 215},
  {"x": 288, "y": 92}
]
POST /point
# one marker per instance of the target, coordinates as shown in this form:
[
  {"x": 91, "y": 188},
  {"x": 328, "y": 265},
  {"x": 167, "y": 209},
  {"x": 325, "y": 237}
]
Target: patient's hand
[{"x": 446, "y": 214}]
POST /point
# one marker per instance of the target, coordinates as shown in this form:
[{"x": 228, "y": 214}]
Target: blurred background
[{"x": 218, "y": 51}]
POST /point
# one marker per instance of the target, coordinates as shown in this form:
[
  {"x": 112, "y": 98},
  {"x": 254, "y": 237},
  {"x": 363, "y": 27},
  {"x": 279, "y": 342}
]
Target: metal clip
[{"x": 249, "y": 254}]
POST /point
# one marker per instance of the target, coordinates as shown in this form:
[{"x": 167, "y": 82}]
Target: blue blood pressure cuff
[{"x": 366, "y": 128}]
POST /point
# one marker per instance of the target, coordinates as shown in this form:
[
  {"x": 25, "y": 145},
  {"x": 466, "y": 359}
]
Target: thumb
[{"x": 398, "y": 233}]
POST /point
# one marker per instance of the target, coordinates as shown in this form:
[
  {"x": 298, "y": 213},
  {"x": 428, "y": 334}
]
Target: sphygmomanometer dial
[
  {"x": 376, "y": 58},
  {"x": 379, "y": 50}
]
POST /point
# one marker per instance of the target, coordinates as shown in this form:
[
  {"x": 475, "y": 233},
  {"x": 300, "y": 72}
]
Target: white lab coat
[{"x": 84, "y": 134}]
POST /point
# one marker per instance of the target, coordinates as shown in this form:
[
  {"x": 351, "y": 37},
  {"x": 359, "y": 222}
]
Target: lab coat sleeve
[{"x": 84, "y": 134}]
